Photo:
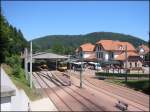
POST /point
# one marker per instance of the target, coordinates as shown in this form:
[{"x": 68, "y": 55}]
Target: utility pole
[
  {"x": 70, "y": 64},
  {"x": 31, "y": 64},
  {"x": 81, "y": 58},
  {"x": 70, "y": 69},
  {"x": 26, "y": 63},
  {"x": 56, "y": 64},
  {"x": 126, "y": 61}
]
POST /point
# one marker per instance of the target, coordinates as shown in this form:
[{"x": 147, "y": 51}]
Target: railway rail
[
  {"x": 67, "y": 108},
  {"x": 105, "y": 93},
  {"x": 90, "y": 103},
  {"x": 74, "y": 97},
  {"x": 91, "y": 106},
  {"x": 87, "y": 99},
  {"x": 97, "y": 88}
]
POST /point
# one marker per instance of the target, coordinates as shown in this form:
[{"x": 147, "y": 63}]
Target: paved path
[{"x": 43, "y": 104}]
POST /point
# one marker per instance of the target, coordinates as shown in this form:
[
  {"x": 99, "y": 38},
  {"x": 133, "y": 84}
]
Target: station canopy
[{"x": 49, "y": 56}]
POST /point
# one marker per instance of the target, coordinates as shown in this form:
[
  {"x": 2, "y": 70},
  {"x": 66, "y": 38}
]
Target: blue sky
[{"x": 40, "y": 18}]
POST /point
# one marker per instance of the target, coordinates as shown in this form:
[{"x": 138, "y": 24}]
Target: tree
[
  {"x": 4, "y": 40},
  {"x": 58, "y": 48},
  {"x": 12, "y": 40}
]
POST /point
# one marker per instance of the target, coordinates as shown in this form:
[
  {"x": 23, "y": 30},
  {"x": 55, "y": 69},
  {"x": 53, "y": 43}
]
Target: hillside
[{"x": 66, "y": 44}]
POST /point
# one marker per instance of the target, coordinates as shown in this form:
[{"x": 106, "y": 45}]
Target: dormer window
[{"x": 99, "y": 48}]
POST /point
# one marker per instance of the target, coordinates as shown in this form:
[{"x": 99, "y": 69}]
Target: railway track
[
  {"x": 137, "y": 98},
  {"x": 87, "y": 99},
  {"x": 65, "y": 106},
  {"x": 97, "y": 88},
  {"x": 109, "y": 95},
  {"x": 123, "y": 89},
  {"x": 84, "y": 107}
]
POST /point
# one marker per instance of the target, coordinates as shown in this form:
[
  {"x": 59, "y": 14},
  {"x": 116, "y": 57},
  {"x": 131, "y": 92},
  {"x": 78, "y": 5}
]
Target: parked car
[{"x": 96, "y": 66}]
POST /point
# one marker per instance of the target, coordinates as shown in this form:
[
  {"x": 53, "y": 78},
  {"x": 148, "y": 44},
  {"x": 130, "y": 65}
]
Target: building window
[
  {"x": 130, "y": 64},
  {"x": 99, "y": 48},
  {"x": 135, "y": 64},
  {"x": 101, "y": 55},
  {"x": 97, "y": 55},
  {"x": 111, "y": 55}
]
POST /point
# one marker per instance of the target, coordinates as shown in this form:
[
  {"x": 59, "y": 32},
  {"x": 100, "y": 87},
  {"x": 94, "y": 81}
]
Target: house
[
  {"x": 87, "y": 51},
  {"x": 133, "y": 59},
  {"x": 110, "y": 50}
]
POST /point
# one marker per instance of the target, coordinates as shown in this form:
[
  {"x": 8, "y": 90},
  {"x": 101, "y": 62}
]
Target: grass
[
  {"x": 139, "y": 85},
  {"x": 21, "y": 83}
]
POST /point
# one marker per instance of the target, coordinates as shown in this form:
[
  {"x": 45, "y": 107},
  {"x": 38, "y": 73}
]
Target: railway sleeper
[
  {"x": 62, "y": 82},
  {"x": 122, "y": 105},
  {"x": 55, "y": 81}
]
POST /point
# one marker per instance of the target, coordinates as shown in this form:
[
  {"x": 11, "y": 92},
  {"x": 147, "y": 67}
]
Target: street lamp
[
  {"x": 126, "y": 63},
  {"x": 70, "y": 64},
  {"x": 81, "y": 58}
]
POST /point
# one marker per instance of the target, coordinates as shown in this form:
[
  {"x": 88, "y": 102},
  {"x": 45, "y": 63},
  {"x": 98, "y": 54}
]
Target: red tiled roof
[
  {"x": 121, "y": 57},
  {"x": 87, "y": 47},
  {"x": 115, "y": 45}
]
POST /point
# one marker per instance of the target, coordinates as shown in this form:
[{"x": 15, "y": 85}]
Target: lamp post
[
  {"x": 70, "y": 64},
  {"x": 31, "y": 64},
  {"x": 26, "y": 63},
  {"x": 126, "y": 63},
  {"x": 81, "y": 58}
]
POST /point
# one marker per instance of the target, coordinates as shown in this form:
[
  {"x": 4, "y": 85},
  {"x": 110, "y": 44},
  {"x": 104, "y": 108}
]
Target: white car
[{"x": 96, "y": 65}]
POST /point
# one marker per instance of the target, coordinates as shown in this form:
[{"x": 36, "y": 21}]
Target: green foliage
[
  {"x": 103, "y": 74},
  {"x": 139, "y": 85},
  {"x": 12, "y": 40},
  {"x": 33, "y": 94},
  {"x": 66, "y": 44},
  {"x": 22, "y": 83},
  {"x": 15, "y": 63},
  {"x": 147, "y": 57},
  {"x": 58, "y": 48}
]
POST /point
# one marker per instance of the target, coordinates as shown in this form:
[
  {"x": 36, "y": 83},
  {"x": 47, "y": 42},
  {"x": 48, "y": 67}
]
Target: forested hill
[
  {"x": 12, "y": 41},
  {"x": 66, "y": 44}
]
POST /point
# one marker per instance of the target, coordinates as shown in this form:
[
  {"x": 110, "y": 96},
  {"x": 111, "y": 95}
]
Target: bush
[
  {"x": 139, "y": 85},
  {"x": 15, "y": 62},
  {"x": 146, "y": 88},
  {"x": 16, "y": 71}
]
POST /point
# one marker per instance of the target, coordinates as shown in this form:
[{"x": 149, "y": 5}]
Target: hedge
[{"x": 103, "y": 74}]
